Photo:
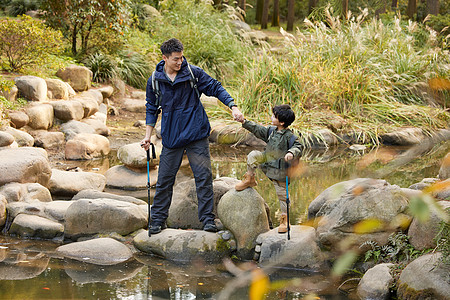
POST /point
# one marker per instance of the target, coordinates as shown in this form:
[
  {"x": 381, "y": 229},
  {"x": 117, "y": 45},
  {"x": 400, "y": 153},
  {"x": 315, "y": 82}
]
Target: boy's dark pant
[{"x": 169, "y": 164}]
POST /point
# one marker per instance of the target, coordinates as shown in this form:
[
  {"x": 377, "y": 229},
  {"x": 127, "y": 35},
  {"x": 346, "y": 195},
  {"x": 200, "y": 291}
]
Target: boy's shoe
[
  {"x": 283, "y": 224},
  {"x": 247, "y": 181},
  {"x": 210, "y": 227},
  {"x": 156, "y": 228}
]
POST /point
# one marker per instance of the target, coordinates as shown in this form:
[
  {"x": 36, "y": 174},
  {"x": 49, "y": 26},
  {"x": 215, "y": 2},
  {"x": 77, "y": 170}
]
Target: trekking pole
[
  {"x": 287, "y": 203},
  {"x": 148, "y": 181}
]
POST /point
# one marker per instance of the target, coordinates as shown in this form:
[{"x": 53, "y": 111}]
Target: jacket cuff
[{"x": 231, "y": 104}]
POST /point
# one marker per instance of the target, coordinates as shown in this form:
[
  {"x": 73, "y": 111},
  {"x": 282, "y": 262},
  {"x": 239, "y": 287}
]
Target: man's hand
[
  {"x": 237, "y": 115},
  {"x": 289, "y": 156},
  {"x": 145, "y": 143}
]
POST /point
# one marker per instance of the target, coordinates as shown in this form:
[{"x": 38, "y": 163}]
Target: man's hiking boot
[
  {"x": 210, "y": 227},
  {"x": 248, "y": 181},
  {"x": 283, "y": 224},
  {"x": 156, "y": 228}
]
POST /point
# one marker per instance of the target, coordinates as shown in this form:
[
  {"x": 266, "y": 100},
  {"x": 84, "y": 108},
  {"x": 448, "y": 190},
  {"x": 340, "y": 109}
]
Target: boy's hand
[
  {"x": 289, "y": 156},
  {"x": 237, "y": 115}
]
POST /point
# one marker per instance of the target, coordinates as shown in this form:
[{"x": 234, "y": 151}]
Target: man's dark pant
[{"x": 169, "y": 164}]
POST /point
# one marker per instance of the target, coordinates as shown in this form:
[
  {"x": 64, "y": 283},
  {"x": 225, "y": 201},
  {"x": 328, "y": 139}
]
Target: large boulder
[
  {"x": 134, "y": 105},
  {"x": 90, "y": 105},
  {"x": 94, "y": 194},
  {"x": 422, "y": 233},
  {"x": 2, "y": 211},
  {"x": 183, "y": 212},
  {"x": 11, "y": 94},
  {"x": 444, "y": 171},
  {"x": 300, "y": 251},
  {"x": 106, "y": 91},
  {"x": 35, "y": 226},
  {"x": 425, "y": 278},
  {"x": 72, "y": 128},
  {"x": 41, "y": 116},
  {"x": 101, "y": 251},
  {"x": 86, "y": 217},
  {"x": 68, "y": 183},
  {"x": 26, "y": 192},
  {"x": 98, "y": 125},
  {"x": 347, "y": 207},
  {"x": 57, "y": 89},
  {"x": 67, "y": 110},
  {"x": 134, "y": 156},
  {"x": 48, "y": 139},
  {"x": 6, "y": 139},
  {"x": 376, "y": 282},
  {"x": 22, "y": 138},
  {"x": 183, "y": 245},
  {"x": 244, "y": 214},
  {"x": 404, "y": 137},
  {"x": 24, "y": 165},
  {"x": 93, "y": 94},
  {"x": 87, "y": 146},
  {"x": 32, "y": 88},
  {"x": 122, "y": 177},
  {"x": 56, "y": 210},
  {"x": 18, "y": 119},
  {"x": 78, "y": 77}
]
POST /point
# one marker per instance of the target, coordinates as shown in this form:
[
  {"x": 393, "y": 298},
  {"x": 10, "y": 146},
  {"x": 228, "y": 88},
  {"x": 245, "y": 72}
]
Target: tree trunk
[
  {"x": 412, "y": 8},
  {"x": 265, "y": 14},
  {"x": 276, "y": 13},
  {"x": 433, "y": 7},
  {"x": 242, "y": 4},
  {"x": 290, "y": 16},
  {"x": 259, "y": 10},
  {"x": 74, "y": 40},
  {"x": 394, "y": 5},
  {"x": 344, "y": 8},
  {"x": 381, "y": 10},
  {"x": 311, "y": 5}
]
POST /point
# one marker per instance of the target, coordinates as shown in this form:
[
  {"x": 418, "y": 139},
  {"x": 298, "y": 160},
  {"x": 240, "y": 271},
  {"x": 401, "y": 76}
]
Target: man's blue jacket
[{"x": 183, "y": 118}]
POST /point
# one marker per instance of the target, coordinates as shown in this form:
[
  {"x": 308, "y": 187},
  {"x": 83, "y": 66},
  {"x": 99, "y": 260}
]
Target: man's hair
[
  {"x": 284, "y": 113},
  {"x": 170, "y": 46}
]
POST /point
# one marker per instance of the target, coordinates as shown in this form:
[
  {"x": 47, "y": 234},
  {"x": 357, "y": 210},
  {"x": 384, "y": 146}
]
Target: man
[{"x": 184, "y": 128}]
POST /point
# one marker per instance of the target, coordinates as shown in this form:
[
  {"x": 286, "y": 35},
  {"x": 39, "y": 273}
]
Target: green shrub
[
  {"x": 442, "y": 240},
  {"x": 26, "y": 42},
  {"x": 102, "y": 66},
  {"x": 20, "y": 7},
  {"x": 134, "y": 69}
]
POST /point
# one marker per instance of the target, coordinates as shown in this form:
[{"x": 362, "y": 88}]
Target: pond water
[{"x": 30, "y": 269}]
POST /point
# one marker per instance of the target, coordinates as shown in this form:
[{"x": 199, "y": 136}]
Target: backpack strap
[
  {"x": 193, "y": 81},
  {"x": 157, "y": 92}
]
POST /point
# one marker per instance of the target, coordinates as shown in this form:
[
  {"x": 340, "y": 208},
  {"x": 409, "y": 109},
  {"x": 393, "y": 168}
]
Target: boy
[{"x": 282, "y": 147}]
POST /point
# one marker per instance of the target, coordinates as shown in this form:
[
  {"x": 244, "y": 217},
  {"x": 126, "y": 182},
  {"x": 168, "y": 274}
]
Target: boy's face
[
  {"x": 276, "y": 122},
  {"x": 173, "y": 62}
]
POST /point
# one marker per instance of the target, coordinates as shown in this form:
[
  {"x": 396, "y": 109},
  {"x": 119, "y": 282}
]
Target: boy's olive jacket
[{"x": 277, "y": 146}]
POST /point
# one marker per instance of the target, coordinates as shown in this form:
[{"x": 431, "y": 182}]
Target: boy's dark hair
[
  {"x": 170, "y": 46},
  {"x": 284, "y": 113}
]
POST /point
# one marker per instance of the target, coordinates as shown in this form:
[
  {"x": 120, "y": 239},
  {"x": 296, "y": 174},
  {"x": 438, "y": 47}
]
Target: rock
[
  {"x": 70, "y": 90},
  {"x": 424, "y": 278},
  {"x": 58, "y": 89},
  {"x": 139, "y": 123},
  {"x": 404, "y": 137},
  {"x": 56, "y": 210},
  {"x": 87, "y": 217},
  {"x": 183, "y": 212},
  {"x": 78, "y": 77},
  {"x": 93, "y": 94},
  {"x": 25, "y": 192},
  {"x": 2, "y": 211},
  {"x": 72, "y": 128},
  {"x": 123, "y": 178},
  {"x": 18, "y": 119},
  {"x": 345, "y": 208},
  {"x": 422, "y": 234},
  {"x": 6, "y": 139},
  {"x": 229, "y": 134},
  {"x": 32, "y": 88},
  {"x": 256, "y": 36},
  {"x": 183, "y": 245},
  {"x": 135, "y": 157},
  {"x": 301, "y": 251},
  {"x": 101, "y": 251},
  {"x": 70, "y": 183},
  {"x": 41, "y": 116},
  {"x": 24, "y": 165},
  {"x": 48, "y": 140},
  {"x": 444, "y": 171},
  {"x": 87, "y": 146},
  {"x": 101, "y": 117},
  {"x": 94, "y": 194},
  {"x": 35, "y": 226},
  {"x": 440, "y": 190},
  {"x": 133, "y": 105},
  {"x": 323, "y": 139},
  {"x": 90, "y": 105},
  {"x": 99, "y": 126},
  {"x": 119, "y": 88},
  {"x": 106, "y": 91},
  {"x": 243, "y": 210},
  {"x": 67, "y": 110},
  {"x": 10, "y": 95},
  {"x": 241, "y": 26},
  {"x": 141, "y": 95},
  {"x": 35, "y": 208},
  {"x": 376, "y": 282},
  {"x": 22, "y": 138},
  {"x": 426, "y": 182}
]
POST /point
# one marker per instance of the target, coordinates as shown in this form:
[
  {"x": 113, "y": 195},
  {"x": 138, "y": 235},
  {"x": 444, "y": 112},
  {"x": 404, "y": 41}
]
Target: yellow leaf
[
  {"x": 259, "y": 286},
  {"x": 368, "y": 226}
]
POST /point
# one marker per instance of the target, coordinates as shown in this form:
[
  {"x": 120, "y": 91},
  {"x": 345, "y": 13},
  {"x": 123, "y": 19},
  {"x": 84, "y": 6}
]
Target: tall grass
[{"x": 371, "y": 74}]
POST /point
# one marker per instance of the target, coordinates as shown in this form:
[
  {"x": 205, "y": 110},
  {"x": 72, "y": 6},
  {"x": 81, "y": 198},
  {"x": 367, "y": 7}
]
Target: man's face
[{"x": 173, "y": 62}]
